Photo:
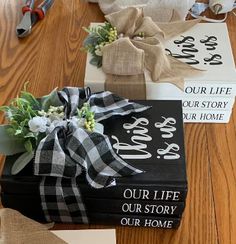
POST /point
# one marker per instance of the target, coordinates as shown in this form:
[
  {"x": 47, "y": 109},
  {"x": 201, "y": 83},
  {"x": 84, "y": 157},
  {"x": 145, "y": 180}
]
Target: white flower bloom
[
  {"x": 56, "y": 123},
  {"x": 121, "y": 35},
  {"x": 38, "y": 124},
  {"x": 98, "y": 52}
]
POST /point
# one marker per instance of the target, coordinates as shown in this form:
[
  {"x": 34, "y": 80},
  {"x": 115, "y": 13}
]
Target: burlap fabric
[
  {"x": 18, "y": 229},
  {"x": 126, "y": 59}
]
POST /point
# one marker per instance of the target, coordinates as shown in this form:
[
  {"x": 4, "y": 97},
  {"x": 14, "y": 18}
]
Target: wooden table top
[{"x": 50, "y": 57}]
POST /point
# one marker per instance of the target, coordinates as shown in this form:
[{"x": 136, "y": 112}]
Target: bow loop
[
  {"x": 107, "y": 104},
  {"x": 148, "y": 27},
  {"x": 52, "y": 157},
  {"x": 124, "y": 55},
  {"x": 73, "y": 98},
  {"x": 126, "y": 21},
  {"x": 155, "y": 59}
]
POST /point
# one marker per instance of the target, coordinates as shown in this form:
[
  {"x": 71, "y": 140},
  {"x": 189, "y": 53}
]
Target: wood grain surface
[{"x": 50, "y": 57}]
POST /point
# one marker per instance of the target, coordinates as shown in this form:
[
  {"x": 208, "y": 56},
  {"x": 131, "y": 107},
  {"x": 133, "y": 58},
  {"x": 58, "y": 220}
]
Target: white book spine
[
  {"x": 206, "y": 116},
  {"x": 207, "y": 103}
]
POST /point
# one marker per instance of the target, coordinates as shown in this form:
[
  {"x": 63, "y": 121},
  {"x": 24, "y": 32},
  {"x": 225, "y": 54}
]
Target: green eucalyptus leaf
[
  {"x": 31, "y": 99},
  {"x": 96, "y": 61},
  {"x": 21, "y": 162},
  {"x": 50, "y": 100},
  {"x": 18, "y": 131},
  {"x": 30, "y": 135},
  {"x": 28, "y": 146},
  {"x": 10, "y": 145},
  {"x": 90, "y": 40}
]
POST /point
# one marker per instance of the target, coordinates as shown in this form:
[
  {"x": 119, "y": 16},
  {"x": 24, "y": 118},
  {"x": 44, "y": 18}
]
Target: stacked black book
[{"x": 152, "y": 141}]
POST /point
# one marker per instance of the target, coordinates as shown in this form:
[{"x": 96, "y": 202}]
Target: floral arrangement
[
  {"x": 30, "y": 119},
  {"x": 99, "y": 37}
]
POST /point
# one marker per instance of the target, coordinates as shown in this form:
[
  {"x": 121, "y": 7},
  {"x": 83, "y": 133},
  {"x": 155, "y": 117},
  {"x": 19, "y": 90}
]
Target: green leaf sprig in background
[{"x": 99, "y": 37}]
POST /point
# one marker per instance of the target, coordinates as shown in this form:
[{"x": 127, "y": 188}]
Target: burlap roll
[{"x": 18, "y": 229}]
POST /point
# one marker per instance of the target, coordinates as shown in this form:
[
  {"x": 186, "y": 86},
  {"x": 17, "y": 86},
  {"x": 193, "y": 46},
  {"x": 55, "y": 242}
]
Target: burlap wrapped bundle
[
  {"x": 127, "y": 59},
  {"x": 18, "y": 229}
]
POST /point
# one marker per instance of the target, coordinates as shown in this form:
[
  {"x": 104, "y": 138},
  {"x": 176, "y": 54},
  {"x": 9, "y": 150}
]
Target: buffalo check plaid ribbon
[{"x": 69, "y": 150}]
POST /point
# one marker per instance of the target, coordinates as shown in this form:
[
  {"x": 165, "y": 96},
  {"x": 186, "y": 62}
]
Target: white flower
[
  {"x": 38, "y": 124},
  {"x": 56, "y": 123},
  {"x": 121, "y": 35},
  {"x": 98, "y": 52}
]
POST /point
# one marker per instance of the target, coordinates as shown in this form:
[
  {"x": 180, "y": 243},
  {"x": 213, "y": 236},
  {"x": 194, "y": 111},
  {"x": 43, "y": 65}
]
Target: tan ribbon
[
  {"x": 125, "y": 60},
  {"x": 18, "y": 229}
]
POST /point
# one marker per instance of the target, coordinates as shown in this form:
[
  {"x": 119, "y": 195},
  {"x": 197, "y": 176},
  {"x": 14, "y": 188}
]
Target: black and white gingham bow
[{"x": 69, "y": 149}]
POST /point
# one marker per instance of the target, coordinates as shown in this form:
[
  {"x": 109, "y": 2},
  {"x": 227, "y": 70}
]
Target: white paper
[{"x": 106, "y": 236}]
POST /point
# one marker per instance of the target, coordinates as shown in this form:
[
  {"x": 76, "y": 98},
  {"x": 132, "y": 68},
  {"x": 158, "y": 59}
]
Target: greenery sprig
[
  {"x": 86, "y": 113},
  {"x": 20, "y": 111},
  {"x": 99, "y": 37}
]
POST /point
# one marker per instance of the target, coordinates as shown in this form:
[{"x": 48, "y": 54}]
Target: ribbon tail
[
  {"x": 156, "y": 60},
  {"x": 94, "y": 153},
  {"x": 52, "y": 159},
  {"x": 173, "y": 29},
  {"x": 176, "y": 81},
  {"x": 107, "y": 104},
  {"x": 123, "y": 84},
  {"x": 177, "y": 72},
  {"x": 62, "y": 201}
]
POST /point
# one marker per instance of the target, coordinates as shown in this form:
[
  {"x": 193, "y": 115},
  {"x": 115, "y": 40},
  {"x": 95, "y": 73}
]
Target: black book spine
[
  {"x": 149, "y": 208},
  {"x": 132, "y": 192},
  {"x": 138, "y": 192},
  {"x": 32, "y": 205},
  {"x": 134, "y": 220}
]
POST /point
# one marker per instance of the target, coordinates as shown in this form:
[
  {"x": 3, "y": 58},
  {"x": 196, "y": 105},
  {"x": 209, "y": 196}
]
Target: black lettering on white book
[
  {"x": 188, "y": 50},
  {"x": 213, "y": 59},
  {"x": 210, "y": 42}
]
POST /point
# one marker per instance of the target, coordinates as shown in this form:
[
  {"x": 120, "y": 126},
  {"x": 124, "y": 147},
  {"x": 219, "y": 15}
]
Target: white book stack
[{"x": 207, "y": 98}]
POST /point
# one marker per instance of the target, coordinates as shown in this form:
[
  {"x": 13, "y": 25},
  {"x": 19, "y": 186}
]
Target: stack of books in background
[
  {"x": 152, "y": 141},
  {"x": 207, "y": 98}
]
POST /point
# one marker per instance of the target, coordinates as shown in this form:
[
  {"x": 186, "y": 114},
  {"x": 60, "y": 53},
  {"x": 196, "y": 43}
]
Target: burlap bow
[{"x": 127, "y": 59}]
